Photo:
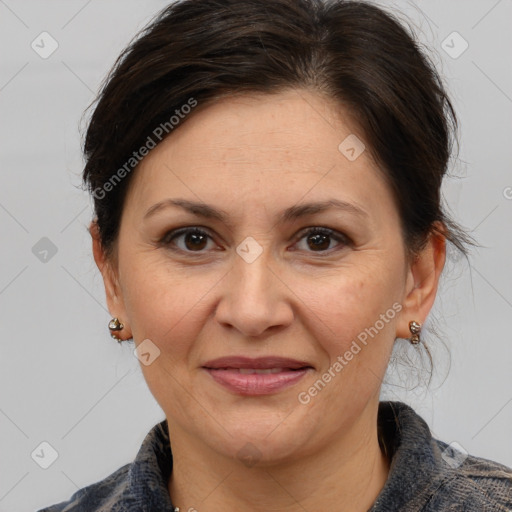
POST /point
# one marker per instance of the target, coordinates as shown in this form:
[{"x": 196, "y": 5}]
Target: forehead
[
  {"x": 293, "y": 120},
  {"x": 260, "y": 146}
]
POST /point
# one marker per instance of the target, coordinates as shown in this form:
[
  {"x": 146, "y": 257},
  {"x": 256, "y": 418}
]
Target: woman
[{"x": 266, "y": 179}]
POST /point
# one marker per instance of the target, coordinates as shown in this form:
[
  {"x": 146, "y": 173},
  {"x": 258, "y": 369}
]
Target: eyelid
[
  {"x": 340, "y": 237},
  {"x": 323, "y": 230},
  {"x": 165, "y": 240},
  {"x": 333, "y": 233}
]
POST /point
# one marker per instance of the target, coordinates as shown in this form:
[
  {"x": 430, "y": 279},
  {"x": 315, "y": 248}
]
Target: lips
[
  {"x": 260, "y": 363},
  {"x": 260, "y": 376}
]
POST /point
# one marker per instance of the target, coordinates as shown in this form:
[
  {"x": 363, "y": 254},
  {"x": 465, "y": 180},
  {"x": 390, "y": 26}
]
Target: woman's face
[{"x": 256, "y": 284}]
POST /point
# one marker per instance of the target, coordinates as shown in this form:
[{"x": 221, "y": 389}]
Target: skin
[{"x": 253, "y": 156}]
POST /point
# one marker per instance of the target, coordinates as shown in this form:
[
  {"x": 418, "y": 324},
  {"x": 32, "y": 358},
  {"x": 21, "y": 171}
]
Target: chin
[
  {"x": 260, "y": 451},
  {"x": 262, "y": 437}
]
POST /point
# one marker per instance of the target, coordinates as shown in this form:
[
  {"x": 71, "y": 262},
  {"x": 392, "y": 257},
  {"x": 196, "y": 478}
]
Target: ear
[
  {"x": 422, "y": 282},
  {"x": 108, "y": 271}
]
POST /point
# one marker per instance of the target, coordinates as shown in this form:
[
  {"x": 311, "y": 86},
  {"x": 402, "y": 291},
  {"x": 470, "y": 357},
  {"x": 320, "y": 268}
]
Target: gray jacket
[{"x": 426, "y": 475}]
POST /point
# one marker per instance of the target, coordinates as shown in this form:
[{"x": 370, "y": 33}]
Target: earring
[
  {"x": 115, "y": 325},
  {"x": 415, "y": 329}
]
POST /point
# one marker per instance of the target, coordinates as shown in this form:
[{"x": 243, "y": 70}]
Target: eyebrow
[{"x": 289, "y": 214}]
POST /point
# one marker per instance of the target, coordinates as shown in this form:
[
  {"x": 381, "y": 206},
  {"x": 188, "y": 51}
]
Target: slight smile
[{"x": 261, "y": 376}]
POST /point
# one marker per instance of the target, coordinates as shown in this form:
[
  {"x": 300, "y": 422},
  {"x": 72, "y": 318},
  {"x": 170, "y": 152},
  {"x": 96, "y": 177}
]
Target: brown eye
[
  {"x": 195, "y": 241},
  {"x": 319, "y": 239},
  {"x": 192, "y": 239}
]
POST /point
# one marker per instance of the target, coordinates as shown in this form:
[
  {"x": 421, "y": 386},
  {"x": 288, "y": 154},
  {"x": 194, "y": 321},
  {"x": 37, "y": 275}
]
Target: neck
[{"x": 346, "y": 474}]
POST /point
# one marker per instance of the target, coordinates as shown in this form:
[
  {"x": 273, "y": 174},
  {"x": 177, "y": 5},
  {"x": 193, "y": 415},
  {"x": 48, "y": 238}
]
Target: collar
[
  {"x": 417, "y": 467},
  {"x": 150, "y": 471}
]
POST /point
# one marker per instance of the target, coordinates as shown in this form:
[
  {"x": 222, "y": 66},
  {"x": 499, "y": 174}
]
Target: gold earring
[
  {"x": 115, "y": 325},
  {"x": 415, "y": 329}
]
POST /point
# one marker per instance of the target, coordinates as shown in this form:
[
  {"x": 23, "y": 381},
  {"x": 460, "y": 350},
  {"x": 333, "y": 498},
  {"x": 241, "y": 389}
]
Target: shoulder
[
  {"x": 98, "y": 497},
  {"x": 133, "y": 486},
  {"x": 470, "y": 483},
  {"x": 429, "y": 475}
]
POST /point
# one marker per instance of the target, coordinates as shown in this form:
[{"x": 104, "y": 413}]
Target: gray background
[{"x": 63, "y": 380}]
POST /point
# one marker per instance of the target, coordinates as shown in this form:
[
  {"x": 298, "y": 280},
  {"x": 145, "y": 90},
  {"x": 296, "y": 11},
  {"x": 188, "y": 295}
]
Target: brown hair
[{"x": 351, "y": 51}]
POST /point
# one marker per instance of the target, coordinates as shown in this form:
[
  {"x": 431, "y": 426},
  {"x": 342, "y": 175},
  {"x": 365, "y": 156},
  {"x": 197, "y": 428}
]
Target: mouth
[
  {"x": 261, "y": 371},
  {"x": 259, "y": 363},
  {"x": 260, "y": 376}
]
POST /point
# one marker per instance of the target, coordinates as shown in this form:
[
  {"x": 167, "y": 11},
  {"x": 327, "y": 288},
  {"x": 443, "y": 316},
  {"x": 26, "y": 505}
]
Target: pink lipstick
[{"x": 259, "y": 376}]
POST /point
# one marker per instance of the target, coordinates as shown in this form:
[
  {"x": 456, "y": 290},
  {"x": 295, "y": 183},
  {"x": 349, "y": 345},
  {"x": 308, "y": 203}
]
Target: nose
[{"x": 254, "y": 298}]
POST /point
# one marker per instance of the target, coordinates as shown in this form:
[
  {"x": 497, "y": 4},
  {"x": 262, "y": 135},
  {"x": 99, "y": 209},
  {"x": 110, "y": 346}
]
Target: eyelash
[{"x": 171, "y": 235}]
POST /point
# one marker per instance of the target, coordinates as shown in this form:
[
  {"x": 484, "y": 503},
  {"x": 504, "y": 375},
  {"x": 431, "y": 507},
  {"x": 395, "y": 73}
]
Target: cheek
[
  {"x": 170, "y": 310},
  {"x": 355, "y": 329},
  {"x": 352, "y": 304},
  {"x": 164, "y": 304}
]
